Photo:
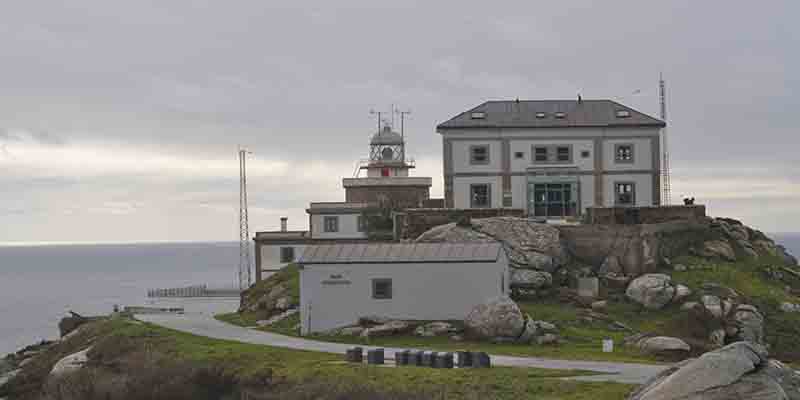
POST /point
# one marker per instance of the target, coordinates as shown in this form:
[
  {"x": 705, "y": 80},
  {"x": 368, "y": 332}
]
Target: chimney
[{"x": 283, "y": 224}]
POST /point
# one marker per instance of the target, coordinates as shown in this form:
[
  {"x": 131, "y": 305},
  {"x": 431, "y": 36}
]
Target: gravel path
[{"x": 205, "y": 325}]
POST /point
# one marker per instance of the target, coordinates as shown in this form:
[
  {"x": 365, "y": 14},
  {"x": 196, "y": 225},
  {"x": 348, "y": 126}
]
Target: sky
[{"x": 120, "y": 120}]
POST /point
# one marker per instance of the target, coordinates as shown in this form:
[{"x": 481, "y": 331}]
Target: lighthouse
[{"x": 387, "y": 181}]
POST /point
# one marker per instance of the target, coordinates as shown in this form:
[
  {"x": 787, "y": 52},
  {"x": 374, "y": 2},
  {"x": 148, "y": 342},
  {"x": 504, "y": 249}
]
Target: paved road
[{"x": 205, "y": 325}]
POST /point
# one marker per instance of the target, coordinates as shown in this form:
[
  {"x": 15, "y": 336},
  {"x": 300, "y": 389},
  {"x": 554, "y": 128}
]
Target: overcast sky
[{"x": 120, "y": 120}]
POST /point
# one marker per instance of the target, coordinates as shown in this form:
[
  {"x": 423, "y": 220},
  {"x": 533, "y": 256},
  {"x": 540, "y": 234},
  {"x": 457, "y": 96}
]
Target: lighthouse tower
[{"x": 387, "y": 175}]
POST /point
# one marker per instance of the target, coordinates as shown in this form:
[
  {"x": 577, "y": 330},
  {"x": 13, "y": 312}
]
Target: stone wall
[
  {"x": 397, "y": 196},
  {"x": 412, "y": 222},
  {"x": 644, "y": 215}
]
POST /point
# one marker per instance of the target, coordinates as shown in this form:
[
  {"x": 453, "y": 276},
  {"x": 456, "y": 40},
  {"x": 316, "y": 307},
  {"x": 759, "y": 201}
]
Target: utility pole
[
  {"x": 244, "y": 229},
  {"x": 666, "y": 193}
]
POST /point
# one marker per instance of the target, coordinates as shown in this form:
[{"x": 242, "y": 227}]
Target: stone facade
[
  {"x": 398, "y": 196},
  {"x": 644, "y": 215}
]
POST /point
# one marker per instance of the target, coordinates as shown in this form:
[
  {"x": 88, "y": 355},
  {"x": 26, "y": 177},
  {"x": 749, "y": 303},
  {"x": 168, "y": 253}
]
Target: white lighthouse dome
[{"x": 386, "y": 137}]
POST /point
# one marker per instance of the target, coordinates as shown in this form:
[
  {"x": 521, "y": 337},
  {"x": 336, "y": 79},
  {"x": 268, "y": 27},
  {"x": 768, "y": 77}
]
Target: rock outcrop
[
  {"x": 388, "y": 329},
  {"x": 664, "y": 345},
  {"x": 70, "y": 363},
  {"x": 437, "y": 328},
  {"x": 529, "y": 245},
  {"x": 653, "y": 291},
  {"x": 498, "y": 317},
  {"x": 530, "y": 279},
  {"x": 738, "y": 371}
]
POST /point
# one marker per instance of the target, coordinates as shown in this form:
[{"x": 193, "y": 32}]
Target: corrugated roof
[
  {"x": 523, "y": 114},
  {"x": 361, "y": 253}
]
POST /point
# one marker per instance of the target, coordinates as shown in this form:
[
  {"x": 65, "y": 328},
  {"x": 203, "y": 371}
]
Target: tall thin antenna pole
[
  {"x": 244, "y": 228},
  {"x": 666, "y": 193},
  {"x": 402, "y": 130},
  {"x": 373, "y": 112}
]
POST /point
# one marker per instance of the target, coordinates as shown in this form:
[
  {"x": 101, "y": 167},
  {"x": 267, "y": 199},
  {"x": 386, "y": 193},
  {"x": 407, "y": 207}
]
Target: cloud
[{"x": 143, "y": 104}]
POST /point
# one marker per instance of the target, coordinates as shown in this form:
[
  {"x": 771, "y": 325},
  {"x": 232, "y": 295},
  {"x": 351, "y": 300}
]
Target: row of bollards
[{"x": 432, "y": 359}]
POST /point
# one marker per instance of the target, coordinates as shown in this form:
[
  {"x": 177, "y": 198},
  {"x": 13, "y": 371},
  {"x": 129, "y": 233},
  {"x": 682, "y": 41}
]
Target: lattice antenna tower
[
  {"x": 244, "y": 228},
  {"x": 666, "y": 193}
]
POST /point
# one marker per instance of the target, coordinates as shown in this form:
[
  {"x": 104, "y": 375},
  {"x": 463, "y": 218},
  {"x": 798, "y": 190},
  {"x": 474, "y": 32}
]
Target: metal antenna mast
[
  {"x": 402, "y": 129},
  {"x": 666, "y": 194},
  {"x": 244, "y": 229}
]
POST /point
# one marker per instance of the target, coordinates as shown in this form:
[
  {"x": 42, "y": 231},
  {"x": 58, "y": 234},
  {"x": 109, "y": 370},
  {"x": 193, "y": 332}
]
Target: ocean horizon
[{"x": 41, "y": 282}]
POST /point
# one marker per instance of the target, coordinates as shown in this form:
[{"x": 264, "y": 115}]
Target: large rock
[
  {"x": 530, "y": 279},
  {"x": 728, "y": 373},
  {"x": 453, "y": 233},
  {"x": 70, "y": 363},
  {"x": 750, "y": 323},
  {"x": 529, "y": 245},
  {"x": 664, "y": 344},
  {"x": 653, "y": 291},
  {"x": 719, "y": 249},
  {"x": 498, "y": 317},
  {"x": 713, "y": 304},
  {"x": 437, "y": 328},
  {"x": 388, "y": 329}
]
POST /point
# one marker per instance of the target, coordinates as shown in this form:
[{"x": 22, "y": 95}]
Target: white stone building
[
  {"x": 410, "y": 281},
  {"x": 552, "y": 158}
]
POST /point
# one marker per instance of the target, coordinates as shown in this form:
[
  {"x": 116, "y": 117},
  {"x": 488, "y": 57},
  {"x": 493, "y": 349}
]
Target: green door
[{"x": 553, "y": 199}]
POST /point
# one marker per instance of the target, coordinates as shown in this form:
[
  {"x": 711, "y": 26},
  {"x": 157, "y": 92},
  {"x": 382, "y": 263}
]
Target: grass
[
  {"x": 255, "y": 363},
  {"x": 583, "y": 339}
]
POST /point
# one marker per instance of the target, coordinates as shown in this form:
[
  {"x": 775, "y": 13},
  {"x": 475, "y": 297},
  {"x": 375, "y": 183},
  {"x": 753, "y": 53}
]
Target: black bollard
[
  {"x": 444, "y": 360},
  {"x": 355, "y": 355},
  {"x": 429, "y": 359},
  {"x": 401, "y": 357},
  {"x": 481, "y": 360},
  {"x": 463, "y": 359},
  {"x": 375, "y": 357},
  {"x": 415, "y": 358}
]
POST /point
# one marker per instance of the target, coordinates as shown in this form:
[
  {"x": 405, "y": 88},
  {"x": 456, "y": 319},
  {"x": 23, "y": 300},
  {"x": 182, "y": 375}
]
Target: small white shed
[{"x": 411, "y": 281}]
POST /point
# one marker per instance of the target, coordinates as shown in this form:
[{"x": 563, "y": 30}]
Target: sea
[{"x": 39, "y": 284}]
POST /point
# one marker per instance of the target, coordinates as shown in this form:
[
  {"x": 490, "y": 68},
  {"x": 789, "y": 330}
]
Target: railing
[{"x": 193, "y": 291}]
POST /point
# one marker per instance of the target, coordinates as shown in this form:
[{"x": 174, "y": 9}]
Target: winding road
[{"x": 205, "y": 325}]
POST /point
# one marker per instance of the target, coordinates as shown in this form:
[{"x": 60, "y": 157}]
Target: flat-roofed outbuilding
[{"x": 339, "y": 283}]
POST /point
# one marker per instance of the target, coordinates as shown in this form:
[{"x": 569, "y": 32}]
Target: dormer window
[
  {"x": 478, "y": 115},
  {"x": 623, "y": 114}
]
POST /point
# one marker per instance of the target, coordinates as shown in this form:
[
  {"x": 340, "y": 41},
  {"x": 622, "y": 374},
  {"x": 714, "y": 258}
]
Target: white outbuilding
[{"x": 339, "y": 283}]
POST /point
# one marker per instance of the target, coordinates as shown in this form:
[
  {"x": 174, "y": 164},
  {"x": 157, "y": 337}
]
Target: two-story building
[{"x": 552, "y": 158}]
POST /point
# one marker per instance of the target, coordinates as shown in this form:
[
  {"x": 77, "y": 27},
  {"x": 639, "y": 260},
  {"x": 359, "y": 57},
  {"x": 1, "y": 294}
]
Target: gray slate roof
[
  {"x": 364, "y": 253},
  {"x": 522, "y": 114}
]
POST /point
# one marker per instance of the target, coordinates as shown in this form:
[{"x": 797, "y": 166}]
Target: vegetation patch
[{"x": 130, "y": 358}]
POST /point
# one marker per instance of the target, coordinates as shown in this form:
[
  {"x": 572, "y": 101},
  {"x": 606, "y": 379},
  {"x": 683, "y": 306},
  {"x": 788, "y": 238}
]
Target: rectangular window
[
  {"x": 362, "y": 223},
  {"x": 623, "y": 153},
  {"x": 519, "y": 155},
  {"x": 479, "y": 154},
  {"x": 381, "y": 288},
  {"x": 480, "y": 195},
  {"x": 541, "y": 154},
  {"x": 559, "y": 154},
  {"x": 287, "y": 254},
  {"x": 625, "y": 193},
  {"x": 331, "y": 224},
  {"x": 563, "y": 154}
]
